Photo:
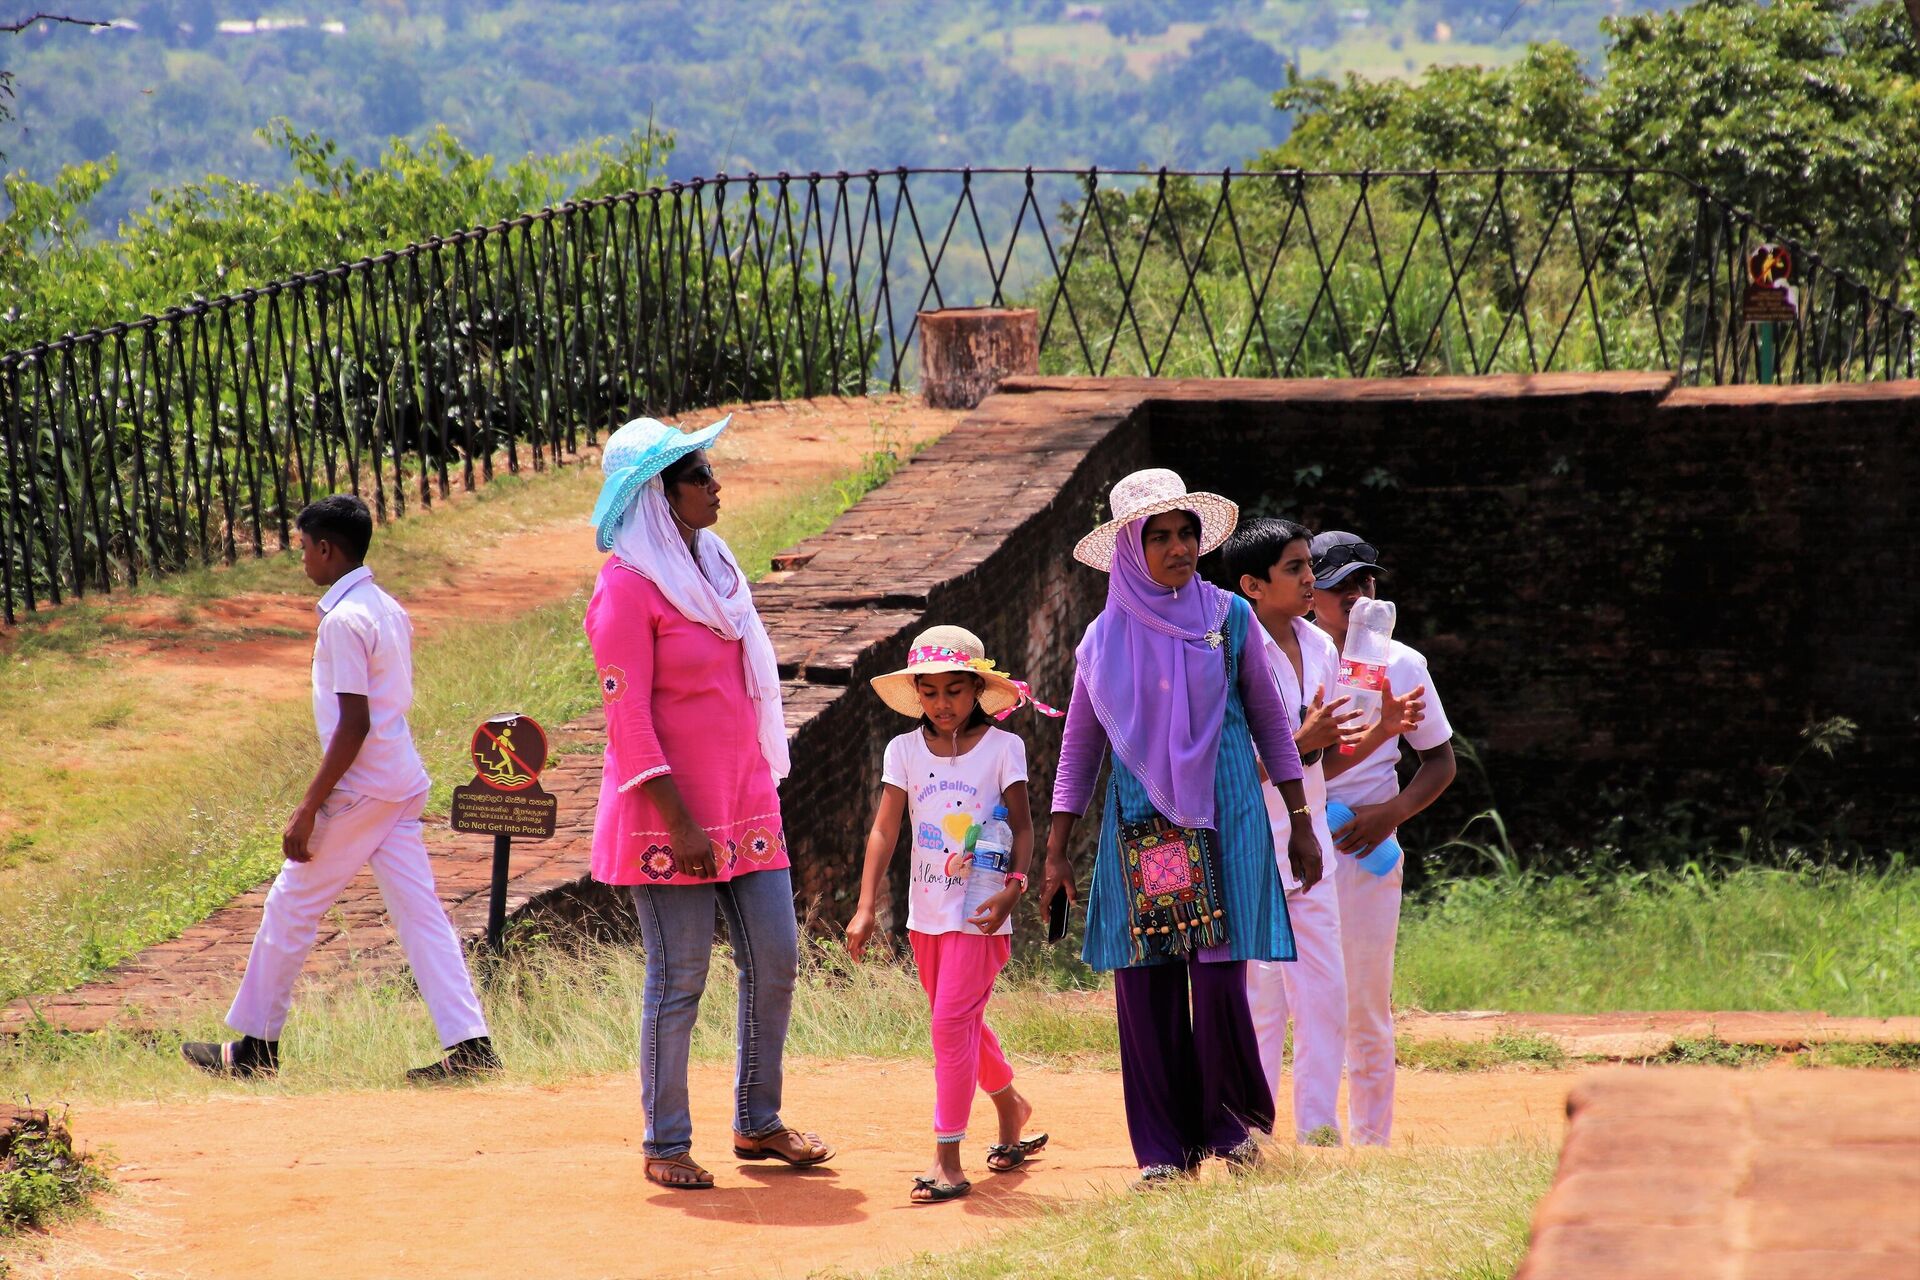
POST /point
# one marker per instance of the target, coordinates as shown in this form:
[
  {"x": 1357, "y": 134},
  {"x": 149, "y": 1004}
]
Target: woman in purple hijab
[{"x": 1185, "y": 886}]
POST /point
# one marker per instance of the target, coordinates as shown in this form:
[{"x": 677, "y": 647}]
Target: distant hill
[{"x": 176, "y": 88}]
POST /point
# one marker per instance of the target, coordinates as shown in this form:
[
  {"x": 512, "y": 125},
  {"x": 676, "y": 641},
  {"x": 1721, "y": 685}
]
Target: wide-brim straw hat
[
  {"x": 939, "y": 651},
  {"x": 1153, "y": 492},
  {"x": 635, "y": 454}
]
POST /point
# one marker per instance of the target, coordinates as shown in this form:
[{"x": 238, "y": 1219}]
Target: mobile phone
[{"x": 1057, "y": 915}]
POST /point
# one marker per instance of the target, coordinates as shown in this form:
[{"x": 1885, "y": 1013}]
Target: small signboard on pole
[
  {"x": 504, "y": 800},
  {"x": 1771, "y": 298}
]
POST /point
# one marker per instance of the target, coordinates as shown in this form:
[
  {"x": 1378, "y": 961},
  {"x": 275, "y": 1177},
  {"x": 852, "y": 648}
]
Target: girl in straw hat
[
  {"x": 689, "y": 818},
  {"x": 946, "y": 776},
  {"x": 1185, "y": 887}
]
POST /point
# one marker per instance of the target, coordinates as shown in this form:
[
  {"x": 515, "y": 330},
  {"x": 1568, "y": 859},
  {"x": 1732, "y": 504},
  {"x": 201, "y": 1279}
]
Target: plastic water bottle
[
  {"x": 1380, "y": 859},
  {"x": 1363, "y": 662},
  {"x": 992, "y": 859}
]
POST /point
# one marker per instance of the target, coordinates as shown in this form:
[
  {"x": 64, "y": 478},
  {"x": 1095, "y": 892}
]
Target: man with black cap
[{"x": 1345, "y": 568}]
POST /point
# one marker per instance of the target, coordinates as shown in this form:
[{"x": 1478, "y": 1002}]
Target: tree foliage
[
  {"x": 1804, "y": 112},
  {"x": 222, "y": 235},
  {"x": 761, "y": 84}
]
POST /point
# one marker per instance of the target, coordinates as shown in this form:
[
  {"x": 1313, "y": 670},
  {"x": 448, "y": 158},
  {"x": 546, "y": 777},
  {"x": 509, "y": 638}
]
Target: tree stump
[{"x": 966, "y": 351}]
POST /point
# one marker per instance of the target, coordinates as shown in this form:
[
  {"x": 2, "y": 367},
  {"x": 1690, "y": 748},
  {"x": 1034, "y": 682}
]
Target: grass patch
[
  {"x": 1712, "y": 1051},
  {"x": 1371, "y": 1216},
  {"x": 44, "y": 1180},
  {"x": 1503, "y": 1050},
  {"x": 1847, "y": 942},
  {"x": 560, "y": 1014},
  {"x": 109, "y": 862},
  {"x": 1901, "y": 1055}
]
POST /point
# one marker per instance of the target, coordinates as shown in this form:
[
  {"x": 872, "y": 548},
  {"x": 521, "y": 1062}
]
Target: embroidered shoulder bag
[{"x": 1176, "y": 900}]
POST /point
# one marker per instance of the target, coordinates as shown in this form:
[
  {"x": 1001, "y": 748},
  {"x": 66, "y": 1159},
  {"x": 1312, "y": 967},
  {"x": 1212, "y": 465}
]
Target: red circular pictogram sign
[
  {"x": 1770, "y": 265},
  {"x": 509, "y": 752}
]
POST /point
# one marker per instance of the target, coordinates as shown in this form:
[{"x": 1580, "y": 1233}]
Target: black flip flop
[
  {"x": 939, "y": 1192},
  {"x": 1014, "y": 1153}
]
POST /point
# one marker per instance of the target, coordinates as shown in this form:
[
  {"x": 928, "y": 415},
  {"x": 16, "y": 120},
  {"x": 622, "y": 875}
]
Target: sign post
[
  {"x": 1770, "y": 299},
  {"x": 504, "y": 800}
]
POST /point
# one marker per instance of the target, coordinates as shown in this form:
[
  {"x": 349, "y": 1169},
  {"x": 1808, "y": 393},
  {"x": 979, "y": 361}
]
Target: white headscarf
[{"x": 712, "y": 592}]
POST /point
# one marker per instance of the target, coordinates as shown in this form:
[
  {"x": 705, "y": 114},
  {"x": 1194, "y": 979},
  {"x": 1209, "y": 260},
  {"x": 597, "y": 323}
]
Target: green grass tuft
[
  {"x": 1712, "y": 1051},
  {"x": 1846, "y": 942},
  {"x": 1371, "y": 1216},
  {"x": 1901, "y": 1055},
  {"x": 1503, "y": 1050},
  {"x": 44, "y": 1180}
]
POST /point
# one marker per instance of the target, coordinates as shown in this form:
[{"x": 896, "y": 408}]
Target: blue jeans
[{"x": 676, "y": 925}]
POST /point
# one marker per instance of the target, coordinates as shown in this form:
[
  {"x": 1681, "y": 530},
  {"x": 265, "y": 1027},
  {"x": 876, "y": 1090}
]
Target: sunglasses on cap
[{"x": 1345, "y": 554}]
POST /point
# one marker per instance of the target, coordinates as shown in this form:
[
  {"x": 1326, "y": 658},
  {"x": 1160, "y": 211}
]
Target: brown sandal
[
  {"x": 700, "y": 1180},
  {"x": 781, "y": 1145}
]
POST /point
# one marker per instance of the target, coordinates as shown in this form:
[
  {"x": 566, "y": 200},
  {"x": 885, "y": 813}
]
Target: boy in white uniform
[
  {"x": 1269, "y": 563},
  {"x": 1345, "y": 568},
  {"x": 362, "y": 807}
]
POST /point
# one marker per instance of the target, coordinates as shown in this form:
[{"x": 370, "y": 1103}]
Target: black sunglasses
[
  {"x": 1345, "y": 554},
  {"x": 701, "y": 475}
]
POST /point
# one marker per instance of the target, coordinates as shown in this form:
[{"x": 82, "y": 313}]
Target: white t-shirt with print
[
  {"x": 1373, "y": 780},
  {"x": 944, "y": 799},
  {"x": 1319, "y": 669}
]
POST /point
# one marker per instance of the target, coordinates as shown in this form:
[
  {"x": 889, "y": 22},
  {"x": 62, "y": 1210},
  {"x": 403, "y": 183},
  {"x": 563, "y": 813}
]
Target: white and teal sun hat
[{"x": 635, "y": 454}]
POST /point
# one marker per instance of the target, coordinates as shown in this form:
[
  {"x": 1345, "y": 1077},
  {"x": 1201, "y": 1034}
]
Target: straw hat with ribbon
[
  {"x": 942, "y": 650},
  {"x": 635, "y": 454},
  {"x": 1150, "y": 493}
]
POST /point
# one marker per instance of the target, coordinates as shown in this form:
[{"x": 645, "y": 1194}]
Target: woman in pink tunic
[{"x": 689, "y": 815}]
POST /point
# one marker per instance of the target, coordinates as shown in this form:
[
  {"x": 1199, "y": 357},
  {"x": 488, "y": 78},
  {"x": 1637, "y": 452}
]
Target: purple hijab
[{"x": 1159, "y": 687}]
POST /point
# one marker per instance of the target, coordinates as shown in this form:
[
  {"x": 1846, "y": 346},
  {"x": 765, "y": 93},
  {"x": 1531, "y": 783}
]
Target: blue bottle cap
[{"x": 1000, "y": 811}]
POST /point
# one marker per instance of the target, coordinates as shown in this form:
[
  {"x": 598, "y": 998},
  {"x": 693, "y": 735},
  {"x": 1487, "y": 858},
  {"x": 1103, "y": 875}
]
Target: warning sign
[
  {"x": 504, "y": 798},
  {"x": 531, "y": 814},
  {"x": 1771, "y": 298}
]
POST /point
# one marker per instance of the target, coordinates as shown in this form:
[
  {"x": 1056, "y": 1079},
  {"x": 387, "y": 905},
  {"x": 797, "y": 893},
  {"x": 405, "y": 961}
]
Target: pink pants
[{"x": 957, "y": 970}]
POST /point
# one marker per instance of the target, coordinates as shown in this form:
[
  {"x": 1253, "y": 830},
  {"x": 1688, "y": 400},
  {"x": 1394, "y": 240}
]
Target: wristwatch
[{"x": 1018, "y": 878}]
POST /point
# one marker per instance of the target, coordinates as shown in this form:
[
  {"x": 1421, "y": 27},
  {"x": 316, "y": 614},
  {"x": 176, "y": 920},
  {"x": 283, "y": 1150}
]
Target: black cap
[{"x": 1337, "y": 554}]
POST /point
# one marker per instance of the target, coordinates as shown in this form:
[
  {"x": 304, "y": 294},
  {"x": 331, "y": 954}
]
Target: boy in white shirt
[
  {"x": 362, "y": 807},
  {"x": 1268, "y": 561},
  {"x": 1346, "y": 568}
]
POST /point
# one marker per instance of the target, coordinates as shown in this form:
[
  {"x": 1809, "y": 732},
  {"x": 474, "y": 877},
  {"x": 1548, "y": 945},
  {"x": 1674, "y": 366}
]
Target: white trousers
[
  {"x": 1369, "y": 929},
  {"x": 350, "y": 832},
  {"x": 1313, "y": 989}
]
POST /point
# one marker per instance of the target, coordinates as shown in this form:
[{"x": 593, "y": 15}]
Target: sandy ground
[
  {"x": 518, "y": 1181},
  {"x": 769, "y": 449}
]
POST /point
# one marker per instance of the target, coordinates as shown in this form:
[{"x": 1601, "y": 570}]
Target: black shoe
[
  {"x": 473, "y": 1057},
  {"x": 245, "y": 1058}
]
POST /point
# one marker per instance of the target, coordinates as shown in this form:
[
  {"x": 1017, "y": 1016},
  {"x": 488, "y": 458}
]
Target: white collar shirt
[
  {"x": 1319, "y": 668},
  {"x": 365, "y": 646}
]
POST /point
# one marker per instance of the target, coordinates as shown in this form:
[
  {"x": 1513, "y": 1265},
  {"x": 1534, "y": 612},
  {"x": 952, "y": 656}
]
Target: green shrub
[{"x": 43, "y": 1178}]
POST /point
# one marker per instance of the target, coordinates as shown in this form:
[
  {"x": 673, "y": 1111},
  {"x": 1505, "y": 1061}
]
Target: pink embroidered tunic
[{"x": 676, "y": 700}]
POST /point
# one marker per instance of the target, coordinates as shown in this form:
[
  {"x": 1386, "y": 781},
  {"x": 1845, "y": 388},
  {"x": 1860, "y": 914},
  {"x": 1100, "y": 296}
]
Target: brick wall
[{"x": 1631, "y": 596}]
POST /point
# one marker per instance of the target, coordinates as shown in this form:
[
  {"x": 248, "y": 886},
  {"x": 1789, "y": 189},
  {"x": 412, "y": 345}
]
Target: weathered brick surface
[{"x": 1691, "y": 1173}]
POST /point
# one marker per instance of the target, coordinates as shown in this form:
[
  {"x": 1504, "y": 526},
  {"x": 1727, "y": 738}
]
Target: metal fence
[{"x": 196, "y": 435}]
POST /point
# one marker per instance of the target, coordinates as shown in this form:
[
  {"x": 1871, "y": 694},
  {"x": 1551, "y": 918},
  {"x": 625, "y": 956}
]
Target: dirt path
[
  {"x": 231, "y": 647},
  {"x": 524, "y": 1181}
]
